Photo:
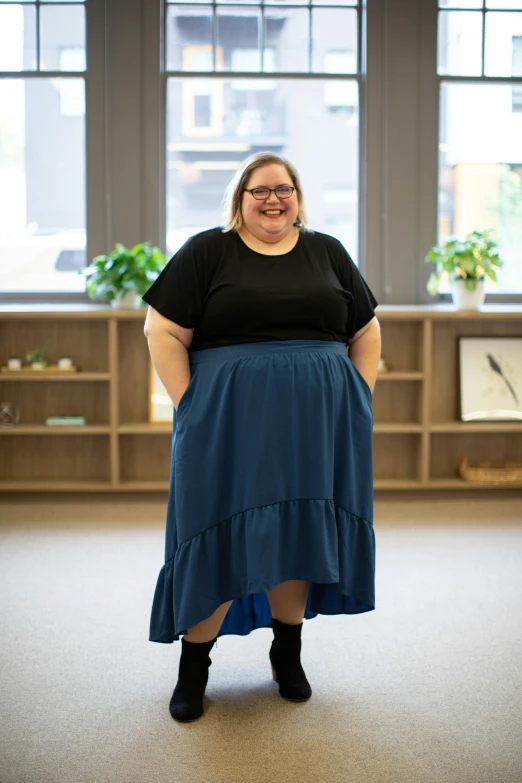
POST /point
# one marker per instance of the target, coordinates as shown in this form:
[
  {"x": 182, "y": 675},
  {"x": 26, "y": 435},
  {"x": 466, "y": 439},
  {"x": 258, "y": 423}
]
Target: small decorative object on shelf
[
  {"x": 71, "y": 421},
  {"x": 383, "y": 367},
  {"x": 9, "y": 415},
  {"x": 65, "y": 363},
  {"x": 14, "y": 363},
  {"x": 491, "y": 472},
  {"x": 467, "y": 262},
  {"x": 37, "y": 358},
  {"x": 124, "y": 275}
]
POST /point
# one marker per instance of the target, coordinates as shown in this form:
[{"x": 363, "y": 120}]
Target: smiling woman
[{"x": 257, "y": 316}]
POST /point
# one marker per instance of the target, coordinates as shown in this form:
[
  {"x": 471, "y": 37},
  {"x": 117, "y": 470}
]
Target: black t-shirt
[{"x": 229, "y": 294}]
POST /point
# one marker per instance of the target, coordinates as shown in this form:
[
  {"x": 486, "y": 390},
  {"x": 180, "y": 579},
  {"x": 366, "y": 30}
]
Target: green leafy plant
[
  {"x": 470, "y": 260},
  {"x": 123, "y": 270},
  {"x": 39, "y": 355}
]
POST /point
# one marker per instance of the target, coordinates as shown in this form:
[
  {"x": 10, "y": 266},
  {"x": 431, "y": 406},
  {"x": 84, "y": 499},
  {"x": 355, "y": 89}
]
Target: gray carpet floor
[{"x": 425, "y": 689}]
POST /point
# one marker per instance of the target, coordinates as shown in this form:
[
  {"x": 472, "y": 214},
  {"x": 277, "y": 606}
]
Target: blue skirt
[{"x": 271, "y": 479}]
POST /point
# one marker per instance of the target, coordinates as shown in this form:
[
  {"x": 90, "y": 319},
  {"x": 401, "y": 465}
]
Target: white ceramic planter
[
  {"x": 14, "y": 363},
  {"x": 468, "y": 300},
  {"x": 128, "y": 301}
]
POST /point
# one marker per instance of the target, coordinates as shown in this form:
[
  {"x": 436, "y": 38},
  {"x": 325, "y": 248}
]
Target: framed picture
[
  {"x": 161, "y": 408},
  {"x": 490, "y": 370}
]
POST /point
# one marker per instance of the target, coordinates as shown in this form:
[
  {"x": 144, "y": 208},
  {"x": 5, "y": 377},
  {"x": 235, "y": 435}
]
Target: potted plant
[
  {"x": 468, "y": 262},
  {"x": 14, "y": 362},
  {"x": 124, "y": 275},
  {"x": 37, "y": 358}
]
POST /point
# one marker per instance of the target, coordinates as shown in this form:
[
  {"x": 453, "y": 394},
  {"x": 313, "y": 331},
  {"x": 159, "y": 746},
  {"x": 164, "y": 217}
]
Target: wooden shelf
[
  {"x": 144, "y": 428},
  {"x": 401, "y": 376},
  {"x": 145, "y": 486},
  {"x": 59, "y": 429},
  {"x": 381, "y": 428},
  {"x": 67, "y": 377},
  {"x": 484, "y": 426},
  {"x": 456, "y": 483},
  {"x": 55, "y": 486},
  {"x": 418, "y": 437}
]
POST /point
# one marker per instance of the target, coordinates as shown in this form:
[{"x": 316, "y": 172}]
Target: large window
[
  {"x": 480, "y": 144},
  {"x": 42, "y": 146},
  {"x": 248, "y": 77}
]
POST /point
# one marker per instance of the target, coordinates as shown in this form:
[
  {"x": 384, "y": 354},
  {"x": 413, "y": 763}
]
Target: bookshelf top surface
[{"x": 406, "y": 312}]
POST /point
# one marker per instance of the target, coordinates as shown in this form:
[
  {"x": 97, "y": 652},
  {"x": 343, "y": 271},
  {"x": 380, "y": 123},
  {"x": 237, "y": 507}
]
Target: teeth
[{"x": 272, "y": 212}]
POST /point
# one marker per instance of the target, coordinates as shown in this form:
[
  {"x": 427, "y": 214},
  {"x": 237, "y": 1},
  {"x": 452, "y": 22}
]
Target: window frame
[{"x": 440, "y": 79}]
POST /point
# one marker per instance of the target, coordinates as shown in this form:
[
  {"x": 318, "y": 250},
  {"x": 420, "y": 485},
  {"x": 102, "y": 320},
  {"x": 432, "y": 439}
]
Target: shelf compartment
[
  {"x": 445, "y": 398},
  {"x": 447, "y": 450},
  {"x": 145, "y": 459},
  {"x": 402, "y": 344},
  {"x": 61, "y": 459},
  {"x": 133, "y": 372},
  {"x": 397, "y": 403},
  {"x": 89, "y": 399},
  {"x": 86, "y": 340},
  {"x": 396, "y": 457}
]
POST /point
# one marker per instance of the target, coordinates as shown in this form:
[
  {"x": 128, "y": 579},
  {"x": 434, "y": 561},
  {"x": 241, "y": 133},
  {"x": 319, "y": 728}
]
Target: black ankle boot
[
  {"x": 186, "y": 703},
  {"x": 284, "y": 656}
]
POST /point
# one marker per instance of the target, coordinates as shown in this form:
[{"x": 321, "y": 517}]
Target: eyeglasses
[{"x": 260, "y": 194}]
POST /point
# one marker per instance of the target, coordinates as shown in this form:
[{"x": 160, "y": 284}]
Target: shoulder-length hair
[{"x": 232, "y": 217}]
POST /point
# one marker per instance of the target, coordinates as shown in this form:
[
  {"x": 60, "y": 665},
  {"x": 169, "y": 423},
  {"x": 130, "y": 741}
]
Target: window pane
[
  {"x": 17, "y": 38},
  {"x": 189, "y": 39},
  {"x": 460, "y": 43},
  {"x": 516, "y": 5},
  {"x": 334, "y": 30},
  {"x": 287, "y": 33},
  {"x": 42, "y": 199},
  {"x": 62, "y": 31},
  {"x": 249, "y": 115},
  {"x": 460, "y": 3},
  {"x": 334, "y": 2},
  {"x": 502, "y": 32},
  {"x": 239, "y": 39},
  {"x": 480, "y": 174}
]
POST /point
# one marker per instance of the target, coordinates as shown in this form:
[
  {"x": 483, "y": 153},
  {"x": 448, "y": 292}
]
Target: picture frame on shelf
[
  {"x": 490, "y": 375},
  {"x": 161, "y": 408}
]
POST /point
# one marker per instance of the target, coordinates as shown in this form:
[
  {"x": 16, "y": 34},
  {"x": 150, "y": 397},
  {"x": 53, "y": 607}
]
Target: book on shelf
[{"x": 73, "y": 421}]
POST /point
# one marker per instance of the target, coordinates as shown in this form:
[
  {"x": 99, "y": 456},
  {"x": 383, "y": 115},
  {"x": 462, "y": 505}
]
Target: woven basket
[{"x": 491, "y": 472}]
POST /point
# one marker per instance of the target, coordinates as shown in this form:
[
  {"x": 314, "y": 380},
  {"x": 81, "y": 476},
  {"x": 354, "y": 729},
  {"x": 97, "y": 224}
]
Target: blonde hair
[{"x": 232, "y": 217}]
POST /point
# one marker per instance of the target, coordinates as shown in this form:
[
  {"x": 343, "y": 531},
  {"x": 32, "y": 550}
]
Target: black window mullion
[
  {"x": 310, "y": 37},
  {"x": 214, "y": 36},
  {"x": 261, "y": 36},
  {"x": 38, "y": 66},
  {"x": 483, "y": 37}
]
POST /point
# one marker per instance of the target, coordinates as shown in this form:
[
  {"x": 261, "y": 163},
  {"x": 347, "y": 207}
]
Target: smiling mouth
[{"x": 272, "y": 212}]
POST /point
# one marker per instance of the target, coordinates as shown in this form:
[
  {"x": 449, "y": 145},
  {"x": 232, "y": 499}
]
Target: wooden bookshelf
[{"x": 418, "y": 437}]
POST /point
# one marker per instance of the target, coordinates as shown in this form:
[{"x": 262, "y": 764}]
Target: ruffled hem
[{"x": 251, "y": 552}]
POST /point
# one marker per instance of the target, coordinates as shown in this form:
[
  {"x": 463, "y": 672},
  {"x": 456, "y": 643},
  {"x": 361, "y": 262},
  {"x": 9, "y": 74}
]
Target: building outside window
[
  {"x": 480, "y": 142},
  {"x": 42, "y": 146},
  {"x": 246, "y": 78}
]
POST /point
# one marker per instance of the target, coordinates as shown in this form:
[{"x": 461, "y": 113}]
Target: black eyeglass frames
[{"x": 260, "y": 194}]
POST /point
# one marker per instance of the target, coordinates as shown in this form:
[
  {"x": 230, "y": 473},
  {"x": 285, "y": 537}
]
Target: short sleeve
[
  {"x": 178, "y": 293},
  {"x": 364, "y": 303}
]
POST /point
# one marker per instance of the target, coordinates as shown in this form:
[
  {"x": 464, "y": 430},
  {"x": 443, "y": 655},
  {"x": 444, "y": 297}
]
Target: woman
[{"x": 270, "y": 511}]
